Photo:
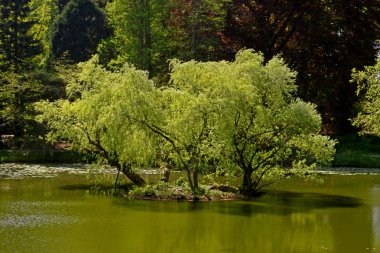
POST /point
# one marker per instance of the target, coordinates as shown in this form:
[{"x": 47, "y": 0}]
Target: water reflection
[
  {"x": 375, "y": 195},
  {"x": 18, "y": 170},
  {"x": 61, "y": 215},
  {"x": 271, "y": 202}
]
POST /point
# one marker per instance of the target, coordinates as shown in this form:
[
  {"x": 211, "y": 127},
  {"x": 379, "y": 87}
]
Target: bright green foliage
[
  {"x": 368, "y": 82},
  {"x": 101, "y": 116},
  {"x": 186, "y": 124},
  {"x": 115, "y": 114},
  {"x": 43, "y": 13},
  {"x": 256, "y": 124},
  {"x": 240, "y": 115}
]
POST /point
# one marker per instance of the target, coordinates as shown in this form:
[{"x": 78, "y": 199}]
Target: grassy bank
[
  {"x": 179, "y": 190},
  {"x": 357, "y": 151}
]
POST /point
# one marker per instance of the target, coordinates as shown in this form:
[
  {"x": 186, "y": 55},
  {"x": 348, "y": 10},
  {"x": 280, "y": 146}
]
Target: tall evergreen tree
[
  {"x": 44, "y": 13},
  {"x": 78, "y": 30},
  {"x": 18, "y": 50},
  {"x": 17, "y": 46}
]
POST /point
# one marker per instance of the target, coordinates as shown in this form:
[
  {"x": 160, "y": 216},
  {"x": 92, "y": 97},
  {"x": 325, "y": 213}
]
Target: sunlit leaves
[
  {"x": 103, "y": 112},
  {"x": 241, "y": 115},
  {"x": 368, "y": 82},
  {"x": 256, "y": 122}
]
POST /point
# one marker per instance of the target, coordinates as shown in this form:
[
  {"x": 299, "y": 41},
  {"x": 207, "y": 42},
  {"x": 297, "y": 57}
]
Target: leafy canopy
[
  {"x": 100, "y": 115},
  {"x": 240, "y": 115},
  {"x": 368, "y": 82},
  {"x": 256, "y": 124}
]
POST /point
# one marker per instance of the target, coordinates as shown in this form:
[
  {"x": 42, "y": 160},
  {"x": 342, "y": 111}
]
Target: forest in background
[{"x": 42, "y": 40}]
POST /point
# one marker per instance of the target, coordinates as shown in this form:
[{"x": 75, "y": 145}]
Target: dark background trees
[
  {"x": 322, "y": 40},
  {"x": 18, "y": 50},
  {"x": 139, "y": 34},
  {"x": 17, "y": 45},
  {"x": 78, "y": 30}
]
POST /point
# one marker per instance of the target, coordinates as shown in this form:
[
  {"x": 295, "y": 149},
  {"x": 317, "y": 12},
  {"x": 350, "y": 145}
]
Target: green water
[{"x": 61, "y": 214}]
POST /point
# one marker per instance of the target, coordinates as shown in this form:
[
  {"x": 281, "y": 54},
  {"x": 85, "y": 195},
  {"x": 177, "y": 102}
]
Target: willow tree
[
  {"x": 368, "y": 81},
  {"x": 257, "y": 126},
  {"x": 124, "y": 120},
  {"x": 186, "y": 123},
  {"x": 102, "y": 116},
  {"x": 241, "y": 115}
]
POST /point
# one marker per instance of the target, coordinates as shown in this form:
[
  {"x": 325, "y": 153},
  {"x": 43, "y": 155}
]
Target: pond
[{"x": 54, "y": 210}]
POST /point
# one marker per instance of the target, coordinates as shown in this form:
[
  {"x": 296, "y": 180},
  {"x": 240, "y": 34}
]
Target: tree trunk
[
  {"x": 189, "y": 178},
  {"x": 165, "y": 173},
  {"x": 247, "y": 185},
  {"x": 195, "y": 5},
  {"x": 195, "y": 178},
  {"x": 145, "y": 40},
  {"x": 134, "y": 177},
  {"x": 148, "y": 39},
  {"x": 16, "y": 39},
  {"x": 140, "y": 49}
]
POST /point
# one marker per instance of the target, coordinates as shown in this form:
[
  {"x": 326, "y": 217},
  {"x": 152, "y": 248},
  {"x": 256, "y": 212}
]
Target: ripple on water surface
[
  {"x": 33, "y": 220},
  {"x": 32, "y": 214},
  {"x": 14, "y": 170}
]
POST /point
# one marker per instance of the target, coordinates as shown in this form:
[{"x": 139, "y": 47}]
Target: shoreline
[
  {"x": 41, "y": 169},
  {"x": 348, "y": 171}
]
